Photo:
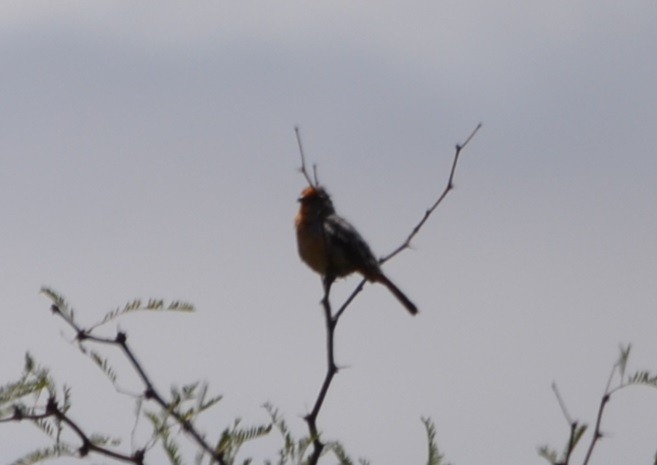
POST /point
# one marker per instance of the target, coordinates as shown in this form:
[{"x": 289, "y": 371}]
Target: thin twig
[
  {"x": 352, "y": 296},
  {"x": 407, "y": 242},
  {"x": 303, "y": 169},
  {"x": 572, "y": 424},
  {"x": 618, "y": 367},
  {"x": 597, "y": 434},
  {"x": 450, "y": 185},
  {"x": 562, "y": 404}
]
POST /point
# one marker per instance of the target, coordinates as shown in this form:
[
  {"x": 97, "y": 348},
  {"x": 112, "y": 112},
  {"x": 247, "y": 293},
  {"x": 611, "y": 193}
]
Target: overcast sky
[{"x": 148, "y": 150}]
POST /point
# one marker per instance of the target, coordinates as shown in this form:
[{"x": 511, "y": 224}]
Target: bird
[{"x": 332, "y": 247}]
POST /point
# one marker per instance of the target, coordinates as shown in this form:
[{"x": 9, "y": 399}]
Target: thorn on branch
[
  {"x": 84, "y": 448},
  {"x": 121, "y": 337},
  {"x": 138, "y": 456},
  {"x": 18, "y": 413},
  {"x": 51, "y": 406}
]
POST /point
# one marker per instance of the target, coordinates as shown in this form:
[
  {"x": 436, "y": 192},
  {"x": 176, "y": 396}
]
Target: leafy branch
[
  {"x": 618, "y": 380},
  {"x": 61, "y": 309},
  {"x": 20, "y": 402},
  {"x": 53, "y": 417}
]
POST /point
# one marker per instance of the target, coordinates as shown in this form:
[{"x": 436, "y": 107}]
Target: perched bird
[{"x": 332, "y": 247}]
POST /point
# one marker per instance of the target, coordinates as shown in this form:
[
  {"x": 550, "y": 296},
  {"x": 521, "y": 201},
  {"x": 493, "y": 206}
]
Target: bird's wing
[{"x": 350, "y": 251}]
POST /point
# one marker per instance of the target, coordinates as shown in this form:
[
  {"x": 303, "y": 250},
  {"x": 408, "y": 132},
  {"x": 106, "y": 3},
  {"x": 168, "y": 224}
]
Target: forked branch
[{"x": 331, "y": 319}]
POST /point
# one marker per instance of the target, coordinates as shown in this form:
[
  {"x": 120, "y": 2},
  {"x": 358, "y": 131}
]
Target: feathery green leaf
[
  {"x": 548, "y": 454},
  {"x": 643, "y": 378},
  {"x": 623, "y": 357},
  {"x": 102, "y": 363},
  {"x": 40, "y": 455},
  {"x": 340, "y": 453},
  {"x": 59, "y": 302},
  {"x": 434, "y": 455},
  {"x": 136, "y": 305}
]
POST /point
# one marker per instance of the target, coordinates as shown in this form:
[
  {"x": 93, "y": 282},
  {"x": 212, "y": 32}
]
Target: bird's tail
[{"x": 405, "y": 301}]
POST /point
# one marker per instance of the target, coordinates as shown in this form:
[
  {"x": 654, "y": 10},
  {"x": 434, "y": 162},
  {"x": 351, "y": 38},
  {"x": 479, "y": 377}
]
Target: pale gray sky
[{"x": 148, "y": 150}]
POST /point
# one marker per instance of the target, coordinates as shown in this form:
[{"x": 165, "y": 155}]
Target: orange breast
[{"x": 312, "y": 244}]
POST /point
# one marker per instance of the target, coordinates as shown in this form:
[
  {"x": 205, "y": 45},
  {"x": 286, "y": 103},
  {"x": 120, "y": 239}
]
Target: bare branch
[
  {"x": 423, "y": 220},
  {"x": 574, "y": 427},
  {"x": 357, "y": 290},
  {"x": 618, "y": 368},
  {"x": 597, "y": 433},
  {"x": 303, "y": 168},
  {"x": 562, "y": 404},
  {"x": 450, "y": 185}
]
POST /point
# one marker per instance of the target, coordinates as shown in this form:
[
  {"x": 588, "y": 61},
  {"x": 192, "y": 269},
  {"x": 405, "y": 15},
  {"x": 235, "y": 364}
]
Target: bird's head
[{"x": 315, "y": 200}]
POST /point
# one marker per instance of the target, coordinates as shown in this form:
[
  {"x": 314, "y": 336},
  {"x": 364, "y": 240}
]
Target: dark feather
[{"x": 348, "y": 248}]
